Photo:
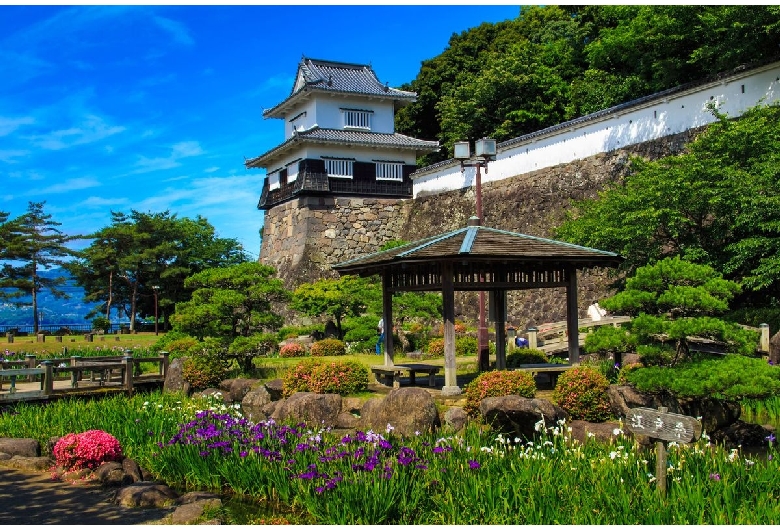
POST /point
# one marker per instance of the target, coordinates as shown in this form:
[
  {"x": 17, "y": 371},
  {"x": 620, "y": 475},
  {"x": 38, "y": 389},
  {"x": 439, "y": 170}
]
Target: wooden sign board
[{"x": 665, "y": 426}]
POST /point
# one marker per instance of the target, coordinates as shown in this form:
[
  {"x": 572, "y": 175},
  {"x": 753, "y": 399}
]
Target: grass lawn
[{"x": 30, "y": 345}]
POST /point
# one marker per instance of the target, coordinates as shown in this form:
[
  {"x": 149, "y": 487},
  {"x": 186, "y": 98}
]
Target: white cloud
[
  {"x": 9, "y": 155},
  {"x": 9, "y": 125},
  {"x": 100, "y": 202},
  {"x": 92, "y": 129},
  {"x": 186, "y": 149},
  {"x": 66, "y": 186},
  {"x": 178, "y": 151},
  {"x": 211, "y": 169},
  {"x": 178, "y": 31}
]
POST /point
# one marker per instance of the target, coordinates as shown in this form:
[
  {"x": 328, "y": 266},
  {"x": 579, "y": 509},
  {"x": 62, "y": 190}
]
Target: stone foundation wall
[{"x": 303, "y": 238}]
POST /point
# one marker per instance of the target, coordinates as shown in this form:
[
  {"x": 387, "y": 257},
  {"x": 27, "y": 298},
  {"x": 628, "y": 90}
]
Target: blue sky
[{"x": 154, "y": 108}]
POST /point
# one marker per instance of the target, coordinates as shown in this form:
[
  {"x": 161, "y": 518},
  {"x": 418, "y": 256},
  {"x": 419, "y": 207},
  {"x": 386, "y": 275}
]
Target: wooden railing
[{"x": 31, "y": 380}]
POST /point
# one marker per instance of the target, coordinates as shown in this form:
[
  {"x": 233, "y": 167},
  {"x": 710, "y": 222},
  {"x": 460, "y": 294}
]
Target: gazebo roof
[{"x": 479, "y": 244}]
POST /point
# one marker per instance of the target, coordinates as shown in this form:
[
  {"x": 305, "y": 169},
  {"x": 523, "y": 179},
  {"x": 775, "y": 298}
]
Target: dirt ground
[{"x": 33, "y": 498}]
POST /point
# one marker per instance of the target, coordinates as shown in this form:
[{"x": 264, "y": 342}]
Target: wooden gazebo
[{"x": 477, "y": 258}]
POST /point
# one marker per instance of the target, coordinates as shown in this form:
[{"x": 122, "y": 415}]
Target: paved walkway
[{"x": 33, "y": 498}]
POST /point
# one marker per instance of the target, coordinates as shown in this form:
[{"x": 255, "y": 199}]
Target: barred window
[
  {"x": 339, "y": 168},
  {"x": 359, "y": 119},
  {"x": 389, "y": 171}
]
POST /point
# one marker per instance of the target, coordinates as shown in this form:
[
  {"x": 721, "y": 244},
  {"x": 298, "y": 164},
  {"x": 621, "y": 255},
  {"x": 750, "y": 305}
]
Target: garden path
[{"x": 33, "y": 498}]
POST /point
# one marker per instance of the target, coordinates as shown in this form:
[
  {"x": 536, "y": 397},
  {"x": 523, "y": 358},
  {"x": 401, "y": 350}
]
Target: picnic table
[{"x": 392, "y": 373}]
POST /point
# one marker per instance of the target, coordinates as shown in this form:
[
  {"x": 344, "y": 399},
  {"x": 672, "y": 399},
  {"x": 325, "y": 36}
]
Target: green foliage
[
  {"x": 520, "y": 356},
  {"x": 348, "y": 296},
  {"x": 466, "y": 345},
  {"x": 360, "y": 333},
  {"x": 609, "y": 340},
  {"x": 230, "y": 302},
  {"x": 434, "y": 348},
  {"x": 731, "y": 377},
  {"x": 293, "y": 332},
  {"x": 755, "y": 316},
  {"x": 244, "y": 349},
  {"x": 101, "y": 323},
  {"x": 293, "y": 349},
  {"x": 328, "y": 348},
  {"x": 204, "y": 366},
  {"x": 497, "y": 383},
  {"x": 625, "y": 371},
  {"x": 162, "y": 343},
  {"x": 582, "y": 392},
  {"x": 325, "y": 377}
]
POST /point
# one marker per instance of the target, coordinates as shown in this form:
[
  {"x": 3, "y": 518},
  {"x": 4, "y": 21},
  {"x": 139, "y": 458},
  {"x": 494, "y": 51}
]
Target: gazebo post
[
  {"x": 500, "y": 308},
  {"x": 572, "y": 317},
  {"x": 450, "y": 387},
  {"x": 387, "y": 316}
]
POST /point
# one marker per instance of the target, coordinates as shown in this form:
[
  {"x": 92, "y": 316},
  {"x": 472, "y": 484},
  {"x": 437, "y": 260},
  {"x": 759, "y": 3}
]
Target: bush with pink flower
[
  {"x": 582, "y": 392},
  {"x": 86, "y": 450},
  {"x": 293, "y": 349}
]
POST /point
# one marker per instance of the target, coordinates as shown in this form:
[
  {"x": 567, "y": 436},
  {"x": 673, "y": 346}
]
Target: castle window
[
  {"x": 389, "y": 171},
  {"x": 339, "y": 167},
  {"x": 273, "y": 181},
  {"x": 357, "y": 119},
  {"x": 292, "y": 171}
]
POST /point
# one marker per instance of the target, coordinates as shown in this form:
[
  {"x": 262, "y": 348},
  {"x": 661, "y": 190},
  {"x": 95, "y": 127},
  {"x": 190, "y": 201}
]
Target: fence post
[
  {"x": 128, "y": 374},
  {"x": 9, "y": 337},
  {"x": 764, "y": 344},
  {"x": 48, "y": 378},
  {"x": 30, "y": 360},
  {"x": 165, "y": 363},
  {"x": 532, "y": 341}
]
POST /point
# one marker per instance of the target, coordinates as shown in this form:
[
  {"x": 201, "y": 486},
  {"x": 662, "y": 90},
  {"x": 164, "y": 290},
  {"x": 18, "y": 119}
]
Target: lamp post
[
  {"x": 485, "y": 151},
  {"x": 155, "y": 288}
]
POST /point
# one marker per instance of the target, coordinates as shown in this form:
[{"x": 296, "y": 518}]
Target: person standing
[
  {"x": 380, "y": 328},
  {"x": 596, "y": 312}
]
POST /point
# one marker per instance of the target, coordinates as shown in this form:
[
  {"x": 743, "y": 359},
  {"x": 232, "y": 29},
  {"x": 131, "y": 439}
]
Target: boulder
[
  {"x": 456, "y": 418},
  {"x": 352, "y": 405},
  {"x": 132, "y": 469},
  {"x": 623, "y": 398},
  {"x": 311, "y": 408},
  {"x": 275, "y": 387},
  {"x": 347, "y": 420},
  {"x": 603, "y": 432},
  {"x": 29, "y": 463},
  {"x": 174, "y": 378},
  {"x": 774, "y": 349},
  {"x": 20, "y": 446},
  {"x": 193, "y": 510},
  {"x": 741, "y": 434},
  {"x": 112, "y": 474},
  {"x": 253, "y": 403},
  {"x": 407, "y": 410},
  {"x": 518, "y": 416},
  {"x": 145, "y": 495},
  {"x": 236, "y": 389}
]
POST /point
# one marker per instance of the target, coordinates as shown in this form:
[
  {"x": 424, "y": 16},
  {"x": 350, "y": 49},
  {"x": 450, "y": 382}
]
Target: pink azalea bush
[
  {"x": 86, "y": 450},
  {"x": 328, "y": 348},
  {"x": 497, "y": 383},
  {"x": 292, "y": 349},
  {"x": 582, "y": 392},
  {"x": 335, "y": 377}
]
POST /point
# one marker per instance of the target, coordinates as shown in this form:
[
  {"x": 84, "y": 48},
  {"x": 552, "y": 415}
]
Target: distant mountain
[{"x": 54, "y": 311}]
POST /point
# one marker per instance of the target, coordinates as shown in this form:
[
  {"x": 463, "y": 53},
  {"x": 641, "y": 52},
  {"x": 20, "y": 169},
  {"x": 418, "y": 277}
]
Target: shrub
[
  {"x": 101, "y": 323},
  {"x": 293, "y": 332},
  {"x": 496, "y": 384},
  {"x": 86, "y": 450},
  {"x": 180, "y": 347},
  {"x": 623, "y": 374},
  {"x": 609, "y": 340},
  {"x": 204, "y": 366},
  {"x": 361, "y": 333},
  {"x": 165, "y": 341},
  {"x": 466, "y": 345},
  {"x": 434, "y": 349},
  {"x": 292, "y": 349},
  {"x": 525, "y": 356},
  {"x": 328, "y": 348},
  {"x": 582, "y": 392},
  {"x": 245, "y": 349},
  {"x": 460, "y": 327},
  {"x": 335, "y": 377}
]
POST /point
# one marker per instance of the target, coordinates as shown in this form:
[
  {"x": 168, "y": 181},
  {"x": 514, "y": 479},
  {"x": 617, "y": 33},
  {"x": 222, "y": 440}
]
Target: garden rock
[
  {"x": 456, "y": 418},
  {"x": 602, "y": 432},
  {"x": 270, "y": 408},
  {"x": 174, "y": 378},
  {"x": 313, "y": 409},
  {"x": 192, "y": 509},
  {"x": 518, "y": 416},
  {"x": 623, "y": 398},
  {"x": 132, "y": 469},
  {"x": 774, "y": 348},
  {"x": 275, "y": 387},
  {"x": 408, "y": 410},
  {"x": 347, "y": 420},
  {"x": 237, "y": 388},
  {"x": 20, "y": 446},
  {"x": 352, "y": 405},
  {"x": 28, "y": 463},
  {"x": 253, "y": 403},
  {"x": 111, "y": 474},
  {"x": 741, "y": 434},
  {"x": 145, "y": 495}
]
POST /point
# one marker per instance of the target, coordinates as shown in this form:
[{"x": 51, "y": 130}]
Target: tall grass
[{"x": 476, "y": 477}]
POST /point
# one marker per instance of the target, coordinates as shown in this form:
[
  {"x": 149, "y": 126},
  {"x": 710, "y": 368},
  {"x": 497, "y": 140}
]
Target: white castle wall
[{"x": 650, "y": 118}]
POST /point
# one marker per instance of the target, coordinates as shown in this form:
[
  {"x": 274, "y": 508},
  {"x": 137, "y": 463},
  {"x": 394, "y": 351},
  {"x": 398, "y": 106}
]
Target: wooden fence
[{"x": 29, "y": 380}]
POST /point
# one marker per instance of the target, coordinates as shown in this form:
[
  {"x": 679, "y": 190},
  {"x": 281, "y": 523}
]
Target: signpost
[{"x": 663, "y": 427}]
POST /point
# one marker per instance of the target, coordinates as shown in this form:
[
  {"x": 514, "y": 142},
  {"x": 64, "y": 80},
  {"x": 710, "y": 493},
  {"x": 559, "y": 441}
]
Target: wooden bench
[
  {"x": 551, "y": 369},
  {"x": 393, "y": 373}
]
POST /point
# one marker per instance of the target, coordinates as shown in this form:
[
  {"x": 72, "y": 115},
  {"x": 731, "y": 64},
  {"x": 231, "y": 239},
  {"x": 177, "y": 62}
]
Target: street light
[
  {"x": 155, "y": 288},
  {"x": 485, "y": 151}
]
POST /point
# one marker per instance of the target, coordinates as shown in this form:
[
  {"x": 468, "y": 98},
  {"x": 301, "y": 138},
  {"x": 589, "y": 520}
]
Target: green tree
[
  {"x": 231, "y": 304},
  {"x": 35, "y": 243},
  {"x": 143, "y": 256},
  {"x": 347, "y": 296},
  {"x": 674, "y": 300}
]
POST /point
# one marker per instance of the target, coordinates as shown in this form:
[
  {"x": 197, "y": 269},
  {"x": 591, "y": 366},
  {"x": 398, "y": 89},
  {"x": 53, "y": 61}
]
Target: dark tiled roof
[
  {"x": 344, "y": 137},
  {"x": 342, "y": 78},
  {"x": 483, "y": 244}
]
